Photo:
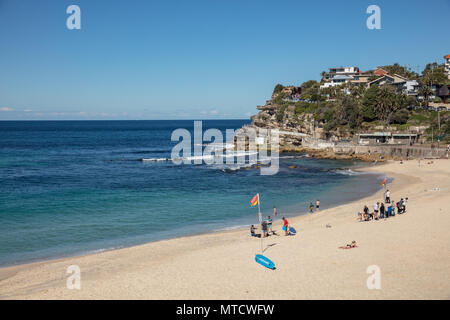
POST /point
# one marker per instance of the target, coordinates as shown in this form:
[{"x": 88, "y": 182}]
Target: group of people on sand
[
  {"x": 311, "y": 206},
  {"x": 266, "y": 227},
  {"x": 383, "y": 210}
]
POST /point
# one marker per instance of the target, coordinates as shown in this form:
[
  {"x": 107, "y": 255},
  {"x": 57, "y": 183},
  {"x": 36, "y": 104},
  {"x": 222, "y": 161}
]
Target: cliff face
[
  {"x": 276, "y": 114},
  {"x": 299, "y": 131}
]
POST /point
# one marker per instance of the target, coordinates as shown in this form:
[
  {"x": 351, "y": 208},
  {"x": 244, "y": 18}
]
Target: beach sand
[{"x": 411, "y": 251}]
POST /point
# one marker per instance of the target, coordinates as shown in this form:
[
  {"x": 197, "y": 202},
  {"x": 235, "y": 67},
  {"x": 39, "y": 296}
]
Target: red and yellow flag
[
  {"x": 384, "y": 183},
  {"x": 255, "y": 200}
]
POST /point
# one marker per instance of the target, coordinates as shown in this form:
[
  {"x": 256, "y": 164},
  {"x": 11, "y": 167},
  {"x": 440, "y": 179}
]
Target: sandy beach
[{"x": 411, "y": 251}]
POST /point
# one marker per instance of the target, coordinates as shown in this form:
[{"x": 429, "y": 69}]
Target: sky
[{"x": 210, "y": 59}]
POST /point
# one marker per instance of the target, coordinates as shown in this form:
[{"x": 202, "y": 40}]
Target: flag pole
[{"x": 260, "y": 222}]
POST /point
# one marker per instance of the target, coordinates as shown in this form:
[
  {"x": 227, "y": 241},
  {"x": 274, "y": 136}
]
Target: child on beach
[{"x": 311, "y": 207}]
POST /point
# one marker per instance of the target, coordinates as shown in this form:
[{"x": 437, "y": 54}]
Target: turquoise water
[{"x": 71, "y": 187}]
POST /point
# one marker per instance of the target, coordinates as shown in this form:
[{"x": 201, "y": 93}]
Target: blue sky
[{"x": 195, "y": 59}]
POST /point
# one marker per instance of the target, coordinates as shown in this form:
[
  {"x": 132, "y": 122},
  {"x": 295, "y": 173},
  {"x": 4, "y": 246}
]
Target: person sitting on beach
[
  {"x": 366, "y": 213},
  {"x": 285, "y": 226},
  {"x": 360, "y": 216},
  {"x": 252, "y": 231}
]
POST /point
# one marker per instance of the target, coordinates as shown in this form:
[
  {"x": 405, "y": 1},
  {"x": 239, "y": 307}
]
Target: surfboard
[
  {"x": 292, "y": 230},
  {"x": 264, "y": 261}
]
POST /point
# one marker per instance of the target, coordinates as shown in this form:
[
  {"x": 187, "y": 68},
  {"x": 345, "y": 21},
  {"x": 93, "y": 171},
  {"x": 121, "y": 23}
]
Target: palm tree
[{"x": 426, "y": 92}]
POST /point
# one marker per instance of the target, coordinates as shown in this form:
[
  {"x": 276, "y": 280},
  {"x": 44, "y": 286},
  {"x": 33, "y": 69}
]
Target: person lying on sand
[{"x": 349, "y": 246}]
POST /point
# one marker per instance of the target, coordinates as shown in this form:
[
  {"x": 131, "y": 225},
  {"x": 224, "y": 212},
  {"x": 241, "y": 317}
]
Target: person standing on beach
[
  {"x": 375, "y": 210},
  {"x": 382, "y": 210},
  {"x": 274, "y": 211},
  {"x": 393, "y": 208},
  {"x": 264, "y": 229},
  {"x": 311, "y": 207},
  {"x": 269, "y": 224},
  {"x": 317, "y": 205},
  {"x": 388, "y": 196},
  {"x": 285, "y": 226}
]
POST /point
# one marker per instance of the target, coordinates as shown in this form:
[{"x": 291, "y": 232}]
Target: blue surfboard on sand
[
  {"x": 292, "y": 230},
  {"x": 264, "y": 261}
]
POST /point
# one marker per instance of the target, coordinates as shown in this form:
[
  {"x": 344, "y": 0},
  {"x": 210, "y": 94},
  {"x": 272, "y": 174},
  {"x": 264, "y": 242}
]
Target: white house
[
  {"x": 411, "y": 88},
  {"x": 343, "y": 71},
  {"x": 337, "y": 80},
  {"x": 447, "y": 65}
]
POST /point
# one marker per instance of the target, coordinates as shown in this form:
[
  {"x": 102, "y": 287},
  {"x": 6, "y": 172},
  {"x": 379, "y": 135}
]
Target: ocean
[{"x": 75, "y": 187}]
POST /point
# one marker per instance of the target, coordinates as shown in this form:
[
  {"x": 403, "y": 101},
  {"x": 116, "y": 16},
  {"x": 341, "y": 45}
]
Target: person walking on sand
[
  {"x": 388, "y": 196},
  {"x": 317, "y": 205},
  {"x": 285, "y": 226},
  {"x": 311, "y": 207}
]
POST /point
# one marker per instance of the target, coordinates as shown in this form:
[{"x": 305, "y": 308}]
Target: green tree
[
  {"x": 348, "y": 112},
  {"x": 400, "y": 70},
  {"x": 426, "y": 91},
  {"x": 387, "y": 103},
  {"x": 369, "y": 102}
]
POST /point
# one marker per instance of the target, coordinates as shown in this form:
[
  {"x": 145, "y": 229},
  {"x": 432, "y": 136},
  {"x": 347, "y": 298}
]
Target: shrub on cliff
[
  {"x": 400, "y": 117},
  {"x": 280, "y": 113},
  {"x": 278, "y": 88}
]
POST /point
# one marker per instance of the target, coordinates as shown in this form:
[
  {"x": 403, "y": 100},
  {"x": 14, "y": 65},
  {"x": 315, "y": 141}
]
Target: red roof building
[{"x": 380, "y": 72}]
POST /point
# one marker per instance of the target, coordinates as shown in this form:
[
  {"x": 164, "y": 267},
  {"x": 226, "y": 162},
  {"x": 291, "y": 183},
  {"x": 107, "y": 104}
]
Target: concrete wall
[{"x": 402, "y": 151}]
